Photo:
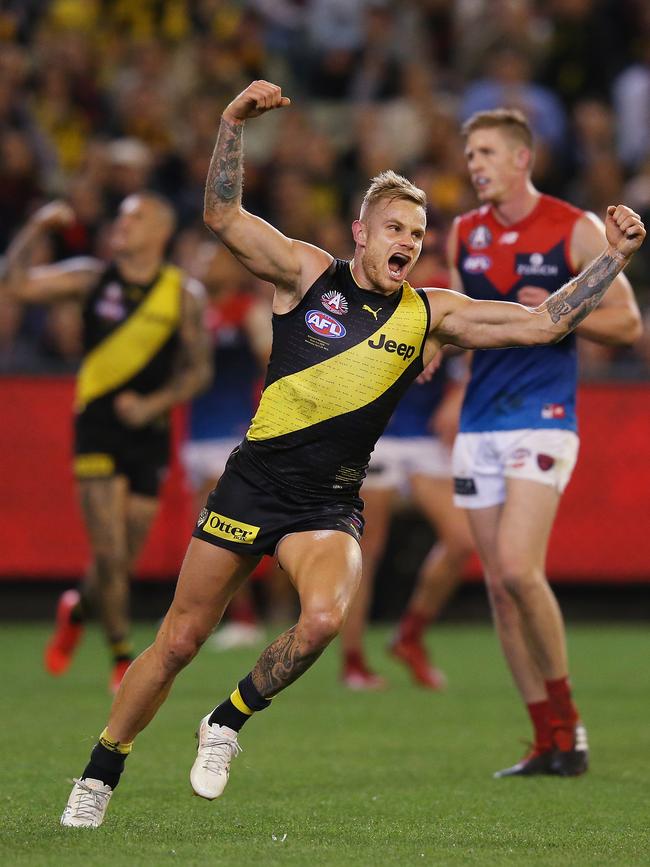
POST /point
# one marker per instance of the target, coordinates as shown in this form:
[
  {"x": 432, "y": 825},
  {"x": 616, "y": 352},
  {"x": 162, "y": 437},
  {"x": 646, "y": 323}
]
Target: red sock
[
  {"x": 540, "y": 716},
  {"x": 354, "y": 659},
  {"x": 242, "y": 611},
  {"x": 411, "y": 626},
  {"x": 564, "y": 714}
]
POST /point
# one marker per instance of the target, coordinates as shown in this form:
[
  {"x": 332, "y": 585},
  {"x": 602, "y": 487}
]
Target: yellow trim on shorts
[{"x": 94, "y": 465}]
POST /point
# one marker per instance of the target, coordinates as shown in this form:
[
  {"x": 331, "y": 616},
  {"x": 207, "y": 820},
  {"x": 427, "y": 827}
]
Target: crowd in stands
[{"x": 101, "y": 98}]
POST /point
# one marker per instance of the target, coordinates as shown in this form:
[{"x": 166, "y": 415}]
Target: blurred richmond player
[
  {"x": 145, "y": 350},
  {"x": 349, "y": 338},
  {"x": 517, "y": 444}
]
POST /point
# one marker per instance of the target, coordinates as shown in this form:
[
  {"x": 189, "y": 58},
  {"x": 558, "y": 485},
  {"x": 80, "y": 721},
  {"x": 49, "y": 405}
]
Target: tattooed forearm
[
  {"x": 584, "y": 293},
  {"x": 281, "y": 663},
  {"x": 224, "y": 182}
]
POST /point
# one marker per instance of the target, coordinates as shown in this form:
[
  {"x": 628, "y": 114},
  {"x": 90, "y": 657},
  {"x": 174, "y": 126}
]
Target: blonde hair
[
  {"x": 510, "y": 120},
  {"x": 390, "y": 185}
]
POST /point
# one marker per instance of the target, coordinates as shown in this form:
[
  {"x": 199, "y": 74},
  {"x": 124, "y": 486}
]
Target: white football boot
[
  {"x": 87, "y": 804},
  {"x": 217, "y": 748}
]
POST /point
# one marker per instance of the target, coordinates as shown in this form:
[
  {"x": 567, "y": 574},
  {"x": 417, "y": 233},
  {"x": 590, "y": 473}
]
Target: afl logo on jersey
[
  {"x": 323, "y": 324},
  {"x": 476, "y": 264},
  {"x": 334, "y": 302},
  {"x": 480, "y": 238}
]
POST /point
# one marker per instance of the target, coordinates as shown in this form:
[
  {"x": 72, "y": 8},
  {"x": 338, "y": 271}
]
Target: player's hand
[
  {"x": 259, "y": 97},
  {"x": 54, "y": 216},
  {"x": 133, "y": 409},
  {"x": 532, "y": 296},
  {"x": 624, "y": 229},
  {"x": 430, "y": 369}
]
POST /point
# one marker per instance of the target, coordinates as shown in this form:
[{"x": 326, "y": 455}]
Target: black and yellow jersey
[
  {"x": 340, "y": 362},
  {"x": 130, "y": 335}
]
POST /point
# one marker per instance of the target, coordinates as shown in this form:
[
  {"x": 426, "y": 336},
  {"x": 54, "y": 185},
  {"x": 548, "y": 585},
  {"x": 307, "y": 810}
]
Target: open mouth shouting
[{"x": 398, "y": 266}]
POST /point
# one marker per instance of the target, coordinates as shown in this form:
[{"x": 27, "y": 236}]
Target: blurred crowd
[{"x": 101, "y": 98}]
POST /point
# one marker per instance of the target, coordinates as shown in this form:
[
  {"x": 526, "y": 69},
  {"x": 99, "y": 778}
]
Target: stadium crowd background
[{"x": 100, "y": 98}]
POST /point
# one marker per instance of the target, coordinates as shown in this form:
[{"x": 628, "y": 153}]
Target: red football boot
[
  {"x": 414, "y": 656},
  {"x": 118, "y": 672},
  {"x": 61, "y": 647}
]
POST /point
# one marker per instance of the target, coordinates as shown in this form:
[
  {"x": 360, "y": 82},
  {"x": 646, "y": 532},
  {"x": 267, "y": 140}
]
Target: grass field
[{"x": 332, "y": 777}]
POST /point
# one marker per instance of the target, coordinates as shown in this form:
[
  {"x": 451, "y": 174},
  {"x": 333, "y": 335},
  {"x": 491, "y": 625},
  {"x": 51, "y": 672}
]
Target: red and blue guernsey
[
  {"x": 413, "y": 413},
  {"x": 532, "y": 387},
  {"x": 225, "y": 410}
]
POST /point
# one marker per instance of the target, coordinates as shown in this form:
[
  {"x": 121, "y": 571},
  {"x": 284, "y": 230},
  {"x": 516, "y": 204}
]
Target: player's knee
[
  {"x": 519, "y": 577},
  {"x": 319, "y": 628},
  {"x": 180, "y": 647},
  {"x": 110, "y": 561}
]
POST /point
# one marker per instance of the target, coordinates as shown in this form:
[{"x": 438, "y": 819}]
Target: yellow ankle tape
[
  {"x": 114, "y": 746},
  {"x": 239, "y": 703}
]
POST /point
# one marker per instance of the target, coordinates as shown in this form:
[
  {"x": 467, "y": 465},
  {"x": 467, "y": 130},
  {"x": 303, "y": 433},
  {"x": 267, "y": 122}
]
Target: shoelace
[
  {"x": 218, "y": 751},
  {"x": 89, "y": 802}
]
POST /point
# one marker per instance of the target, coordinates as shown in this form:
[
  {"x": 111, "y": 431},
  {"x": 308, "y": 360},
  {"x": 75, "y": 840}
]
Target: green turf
[{"x": 398, "y": 778}]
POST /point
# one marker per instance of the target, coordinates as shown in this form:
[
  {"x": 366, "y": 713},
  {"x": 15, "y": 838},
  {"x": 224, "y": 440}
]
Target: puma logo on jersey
[
  {"x": 405, "y": 350},
  {"x": 370, "y": 310}
]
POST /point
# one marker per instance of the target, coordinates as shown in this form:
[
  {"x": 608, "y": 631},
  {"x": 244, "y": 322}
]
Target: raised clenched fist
[
  {"x": 624, "y": 229},
  {"x": 55, "y": 215},
  {"x": 258, "y": 98}
]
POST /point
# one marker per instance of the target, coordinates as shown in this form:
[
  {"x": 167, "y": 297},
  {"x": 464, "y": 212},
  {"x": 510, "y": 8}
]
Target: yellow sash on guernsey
[
  {"x": 132, "y": 345},
  {"x": 350, "y": 380}
]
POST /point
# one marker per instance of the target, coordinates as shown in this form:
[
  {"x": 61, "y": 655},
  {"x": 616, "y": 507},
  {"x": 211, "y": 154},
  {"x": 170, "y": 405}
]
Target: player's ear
[
  {"x": 359, "y": 233},
  {"x": 523, "y": 158}
]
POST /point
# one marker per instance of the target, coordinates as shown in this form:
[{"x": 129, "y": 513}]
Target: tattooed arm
[
  {"x": 493, "y": 324},
  {"x": 46, "y": 283},
  {"x": 291, "y": 265}
]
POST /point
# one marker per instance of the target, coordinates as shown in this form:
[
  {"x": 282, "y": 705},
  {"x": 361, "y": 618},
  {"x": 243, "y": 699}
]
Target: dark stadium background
[{"x": 100, "y": 98}]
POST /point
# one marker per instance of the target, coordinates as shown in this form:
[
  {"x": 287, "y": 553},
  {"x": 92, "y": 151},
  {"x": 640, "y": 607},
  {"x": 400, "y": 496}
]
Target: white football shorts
[
  {"x": 483, "y": 461},
  {"x": 396, "y": 459},
  {"x": 204, "y": 460}
]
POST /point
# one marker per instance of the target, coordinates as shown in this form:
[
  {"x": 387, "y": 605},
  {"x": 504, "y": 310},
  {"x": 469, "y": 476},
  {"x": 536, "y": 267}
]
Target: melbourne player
[
  {"x": 413, "y": 456},
  {"x": 518, "y": 445},
  {"x": 292, "y": 486},
  {"x": 237, "y": 319}
]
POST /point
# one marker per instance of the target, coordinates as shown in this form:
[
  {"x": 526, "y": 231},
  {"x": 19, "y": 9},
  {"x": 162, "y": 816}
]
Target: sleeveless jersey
[
  {"x": 414, "y": 411},
  {"x": 341, "y": 360},
  {"x": 130, "y": 337},
  {"x": 532, "y": 387},
  {"x": 226, "y": 408}
]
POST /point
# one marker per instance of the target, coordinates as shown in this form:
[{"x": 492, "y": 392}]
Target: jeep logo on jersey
[
  {"x": 334, "y": 302},
  {"x": 480, "y": 238},
  {"x": 476, "y": 264},
  {"x": 404, "y": 350},
  {"x": 535, "y": 266},
  {"x": 323, "y": 324}
]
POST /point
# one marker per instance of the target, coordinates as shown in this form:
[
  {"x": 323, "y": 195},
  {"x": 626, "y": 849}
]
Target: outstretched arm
[
  {"x": 47, "y": 283},
  {"x": 494, "y": 324},
  {"x": 291, "y": 265}
]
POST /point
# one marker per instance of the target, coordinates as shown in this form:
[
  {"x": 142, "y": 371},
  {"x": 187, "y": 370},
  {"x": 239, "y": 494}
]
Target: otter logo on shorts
[{"x": 230, "y": 529}]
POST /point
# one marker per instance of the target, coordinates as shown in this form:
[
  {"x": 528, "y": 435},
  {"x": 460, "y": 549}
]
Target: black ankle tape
[{"x": 249, "y": 693}]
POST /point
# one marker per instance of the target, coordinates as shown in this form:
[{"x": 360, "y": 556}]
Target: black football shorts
[
  {"x": 248, "y": 514},
  {"x": 105, "y": 450}
]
